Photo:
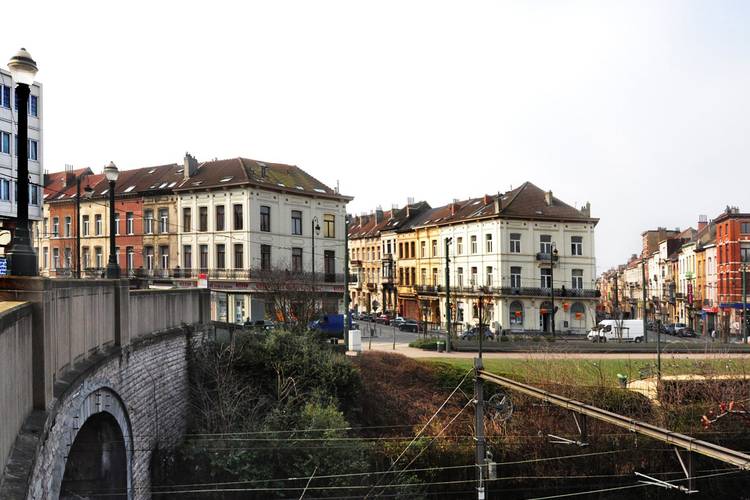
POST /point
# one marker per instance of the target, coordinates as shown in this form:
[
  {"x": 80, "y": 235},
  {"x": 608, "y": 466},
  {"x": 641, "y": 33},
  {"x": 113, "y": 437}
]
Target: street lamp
[
  {"x": 21, "y": 258},
  {"x": 552, "y": 259},
  {"x": 113, "y": 268},
  {"x": 315, "y": 229},
  {"x": 481, "y": 331}
]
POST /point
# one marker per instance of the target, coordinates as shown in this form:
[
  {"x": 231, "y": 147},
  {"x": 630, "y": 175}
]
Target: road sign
[{"x": 3, "y": 266}]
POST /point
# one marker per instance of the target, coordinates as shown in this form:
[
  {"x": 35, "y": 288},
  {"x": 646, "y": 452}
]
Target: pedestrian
[{"x": 713, "y": 334}]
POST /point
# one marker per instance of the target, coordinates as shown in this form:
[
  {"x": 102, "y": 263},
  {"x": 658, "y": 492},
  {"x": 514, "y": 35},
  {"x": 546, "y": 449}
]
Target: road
[{"x": 383, "y": 340}]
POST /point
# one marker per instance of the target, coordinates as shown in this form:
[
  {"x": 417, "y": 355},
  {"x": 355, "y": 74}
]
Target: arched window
[{"x": 516, "y": 314}]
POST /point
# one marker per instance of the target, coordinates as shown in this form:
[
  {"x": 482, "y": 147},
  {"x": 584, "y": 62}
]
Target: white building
[
  {"x": 241, "y": 216},
  {"x": 502, "y": 246},
  {"x": 8, "y": 151}
]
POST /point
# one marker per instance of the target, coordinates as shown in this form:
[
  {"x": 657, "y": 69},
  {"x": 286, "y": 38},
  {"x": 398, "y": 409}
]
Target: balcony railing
[
  {"x": 545, "y": 292},
  {"x": 546, "y": 257}
]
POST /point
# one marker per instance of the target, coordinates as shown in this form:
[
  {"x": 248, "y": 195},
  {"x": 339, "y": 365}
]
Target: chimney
[
  {"x": 586, "y": 210},
  {"x": 408, "y": 210},
  {"x": 702, "y": 221},
  {"x": 69, "y": 176},
  {"x": 486, "y": 199},
  {"x": 379, "y": 215},
  {"x": 190, "y": 165},
  {"x": 453, "y": 208},
  {"x": 263, "y": 171},
  {"x": 548, "y": 198}
]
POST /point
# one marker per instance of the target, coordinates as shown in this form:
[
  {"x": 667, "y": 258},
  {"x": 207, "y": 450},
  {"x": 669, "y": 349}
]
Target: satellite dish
[
  {"x": 501, "y": 407},
  {"x": 4, "y": 237}
]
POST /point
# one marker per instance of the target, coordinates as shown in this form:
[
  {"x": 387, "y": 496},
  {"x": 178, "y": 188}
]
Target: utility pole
[
  {"x": 643, "y": 278},
  {"x": 481, "y": 333},
  {"x": 347, "y": 314},
  {"x": 744, "y": 303},
  {"x": 447, "y": 296},
  {"x": 479, "y": 425},
  {"x": 616, "y": 305}
]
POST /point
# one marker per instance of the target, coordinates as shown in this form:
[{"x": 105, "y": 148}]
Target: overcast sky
[{"x": 640, "y": 108}]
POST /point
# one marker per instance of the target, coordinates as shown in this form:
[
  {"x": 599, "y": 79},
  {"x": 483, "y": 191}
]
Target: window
[
  {"x": 473, "y": 244},
  {"x": 220, "y": 256},
  {"x": 129, "y": 258},
  {"x": 187, "y": 224},
  {"x": 515, "y": 277},
  {"x": 33, "y": 105},
  {"x": 400, "y": 250},
  {"x": 516, "y": 314},
  {"x": 187, "y": 256},
  {"x": 148, "y": 254},
  {"x": 238, "y": 253},
  {"x": 577, "y": 279},
  {"x": 129, "y": 223},
  {"x": 237, "y": 217},
  {"x": 163, "y": 257},
  {"x": 422, "y": 249},
  {"x": 98, "y": 226},
  {"x": 545, "y": 243},
  {"x": 5, "y": 143},
  {"x": 219, "y": 218},
  {"x": 459, "y": 245},
  {"x": 423, "y": 275},
  {"x": 148, "y": 221},
  {"x": 296, "y": 222},
  {"x": 745, "y": 228},
  {"x": 460, "y": 277},
  {"x": 117, "y": 224},
  {"x": 745, "y": 253},
  {"x": 68, "y": 224},
  {"x": 56, "y": 258},
  {"x": 85, "y": 226},
  {"x": 412, "y": 249},
  {"x": 265, "y": 257},
  {"x": 45, "y": 257},
  {"x": 488, "y": 243},
  {"x": 4, "y": 189},
  {"x": 163, "y": 221},
  {"x": 68, "y": 259},
  {"x": 434, "y": 276},
  {"x": 99, "y": 256},
  {"x": 55, "y": 226},
  {"x": 576, "y": 245},
  {"x": 265, "y": 218},
  {"x": 474, "y": 281},
  {"x": 5, "y": 96},
  {"x": 488, "y": 276},
  {"x": 297, "y": 260},
  {"x": 515, "y": 243},
  {"x": 33, "y": 150},
  {"x": 434, "y": 248},
  {"x": 329, "y": 226},
  {"x": 203, "y": 219},
  {"x": 546, "y": 278},
  {"x": 329, "y": 265},
  {"x": 204, "y": 258}
]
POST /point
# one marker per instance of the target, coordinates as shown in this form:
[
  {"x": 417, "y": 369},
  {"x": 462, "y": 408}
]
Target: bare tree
[{"x": 292, "y": 295}]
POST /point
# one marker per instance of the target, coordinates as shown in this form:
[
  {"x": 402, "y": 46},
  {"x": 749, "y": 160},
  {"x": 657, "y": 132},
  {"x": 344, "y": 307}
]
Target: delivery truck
[{"x": 626, "y": 330}]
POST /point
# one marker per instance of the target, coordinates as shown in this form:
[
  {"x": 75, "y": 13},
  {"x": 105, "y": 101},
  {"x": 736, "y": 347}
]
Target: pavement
[{"x": 383, "y": 340}]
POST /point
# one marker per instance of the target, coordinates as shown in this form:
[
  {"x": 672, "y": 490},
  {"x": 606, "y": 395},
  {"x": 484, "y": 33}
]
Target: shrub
[
  {"x": 504, "y": 338},
  {"x": 427, "y": 344}
]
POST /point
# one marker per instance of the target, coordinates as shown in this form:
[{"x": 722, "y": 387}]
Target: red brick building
[{"x": 733, "y": 258}]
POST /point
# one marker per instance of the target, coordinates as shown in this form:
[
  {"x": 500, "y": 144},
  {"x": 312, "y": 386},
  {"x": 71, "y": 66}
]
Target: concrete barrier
[{"x": 16, "y": 390}]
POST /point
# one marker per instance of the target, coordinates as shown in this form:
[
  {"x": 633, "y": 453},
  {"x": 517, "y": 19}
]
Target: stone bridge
[{"x": 94, "y": 381}]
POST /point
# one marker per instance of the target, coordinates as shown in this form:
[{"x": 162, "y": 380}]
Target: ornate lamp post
[
  {"x": 22, "y": 260},
  {"x": 552, "y": 259},
  {"x": 113, "y": 268}
]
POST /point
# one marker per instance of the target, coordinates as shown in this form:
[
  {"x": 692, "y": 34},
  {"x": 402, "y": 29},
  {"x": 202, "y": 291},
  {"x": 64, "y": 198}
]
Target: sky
[{"x": 639, "y": 108}]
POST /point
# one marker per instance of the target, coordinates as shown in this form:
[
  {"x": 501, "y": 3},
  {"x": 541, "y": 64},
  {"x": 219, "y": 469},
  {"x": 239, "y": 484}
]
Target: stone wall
[
  {"x": 145, "y": 386},
  {"x": 16, "y": 392}
]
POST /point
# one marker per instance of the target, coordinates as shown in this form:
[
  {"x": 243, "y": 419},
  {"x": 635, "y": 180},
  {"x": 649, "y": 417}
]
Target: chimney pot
[{"x": 548, "y": 198}]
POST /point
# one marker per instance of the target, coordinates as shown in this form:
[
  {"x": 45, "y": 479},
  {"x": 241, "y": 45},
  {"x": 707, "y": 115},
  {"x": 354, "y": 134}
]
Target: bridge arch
[{"x": 98, "y": 454}]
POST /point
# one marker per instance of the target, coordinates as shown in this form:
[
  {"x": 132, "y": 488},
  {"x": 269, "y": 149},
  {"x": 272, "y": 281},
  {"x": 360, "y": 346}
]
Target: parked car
[
  {"x": 409, "y": 325},
  {"x": 473, "y": 334},
  {"x": 261, "y": 325},
  {"x": 383, "y": 319},
  {"x": 364, "y": 317},
  {"x": 675, "y": 328},
  {"x": 687, "y": 332},
  {"x": 331, "y": 325},
  {"x": 398, "y": 321}
]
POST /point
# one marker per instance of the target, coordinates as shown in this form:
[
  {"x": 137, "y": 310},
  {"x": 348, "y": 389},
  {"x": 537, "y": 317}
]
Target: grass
[{"x": 589, "y": 372}]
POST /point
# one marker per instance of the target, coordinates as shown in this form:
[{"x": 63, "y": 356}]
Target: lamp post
[
  {"x": 481, "y": 331},
  {"x": 21, "y": 258},
  {"x": 552, "y": 259},
  {"x": 315, "y": 229},
  {"x": 113, "y": 268}
]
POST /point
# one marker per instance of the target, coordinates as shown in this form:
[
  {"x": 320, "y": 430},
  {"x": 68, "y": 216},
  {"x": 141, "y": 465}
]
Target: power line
[{"x": 425, "y": 425}]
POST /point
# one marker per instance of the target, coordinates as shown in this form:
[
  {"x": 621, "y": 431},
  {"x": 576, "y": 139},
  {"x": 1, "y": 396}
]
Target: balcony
[
  {"x": 372, "y": 287},
  {"x": 587, "y": 293},
  {"x": 543, "y": 257},
  {"x": 429, "y": 289},
  {"x": 387, "y": 257}
]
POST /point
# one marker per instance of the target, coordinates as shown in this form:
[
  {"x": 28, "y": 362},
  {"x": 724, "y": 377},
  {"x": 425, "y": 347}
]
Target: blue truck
[{"x": 331, "y": 325}]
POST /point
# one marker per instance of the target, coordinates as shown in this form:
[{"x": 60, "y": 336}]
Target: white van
[{"x": 627, "y": 330}]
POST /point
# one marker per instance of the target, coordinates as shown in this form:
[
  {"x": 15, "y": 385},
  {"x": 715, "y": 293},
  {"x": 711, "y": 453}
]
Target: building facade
[
  {"x": 8, "y": 151},
  {"x": 240, "y": 219}
]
